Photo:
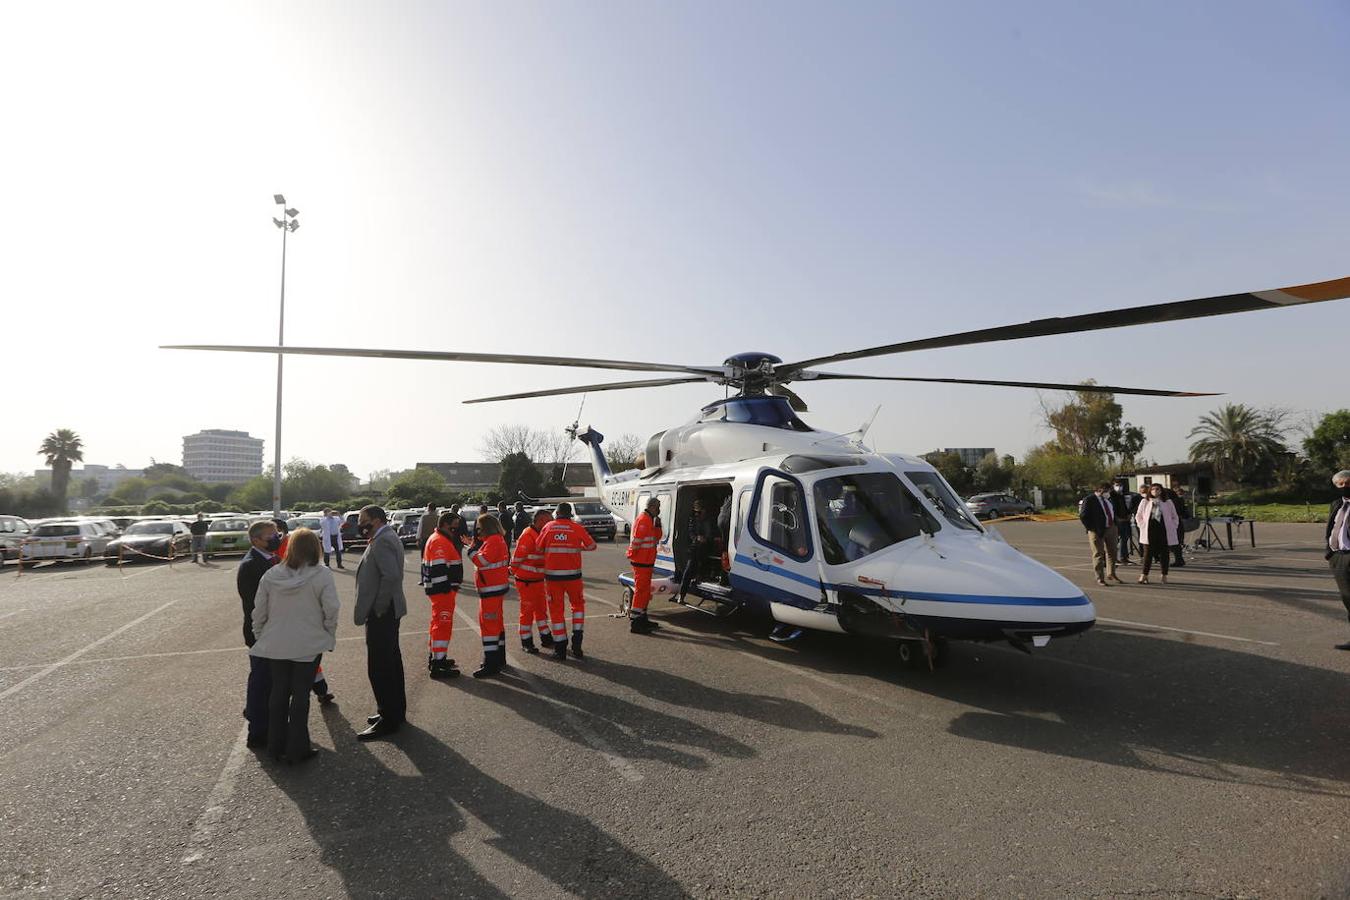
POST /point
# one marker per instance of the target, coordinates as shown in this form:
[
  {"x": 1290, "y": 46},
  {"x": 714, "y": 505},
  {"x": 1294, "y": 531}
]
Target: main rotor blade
[
  {"x": 522, "y": 359},
  {"x": 797, "y": 403},
  {"x": 1045, "y": 385},
  {"x": 587, "y": 388},
  {"x": 1118, "y": 318}
]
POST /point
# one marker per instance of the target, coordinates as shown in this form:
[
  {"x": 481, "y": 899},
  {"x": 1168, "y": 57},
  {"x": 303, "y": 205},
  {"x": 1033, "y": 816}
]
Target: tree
[
  {"x": 418, "y": 487},
  {"x": 1242, "y": 443},
  {"x": 1050, "y": 467},
  {"x": 993, "y": 474},
  {"x": 1090, "y": 424},
  {"x": 1328, "y": 444},
  {"x": 380, "y": 479},
  {"x": 89, "y": 488},
  {"x": 519, "y": 476},
  {"x": 157, "y": 471},
  {"x": 62, "y": 449},
  {"x": 131, "y": 490},
  {"x": 957, "y": 473},
  {"x": 622, "y": 452},
  {"x": 256, "y": 493},
  {"x": 503, "y": 440}
]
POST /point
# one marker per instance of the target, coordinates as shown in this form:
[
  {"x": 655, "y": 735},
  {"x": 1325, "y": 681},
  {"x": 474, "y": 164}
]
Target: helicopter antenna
[
  {"x": 572, "y": 436},
  {"x": 867, "y": 426}
]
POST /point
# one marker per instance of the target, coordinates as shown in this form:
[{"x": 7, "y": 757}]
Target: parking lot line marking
[
  {"x": 1225, "y": 637},
  {"x": 12, "y": 613},
  {"x": 221, "y": 792},
  {"x": 627, "y": 771},
  {"x": 42, "y": 673}
]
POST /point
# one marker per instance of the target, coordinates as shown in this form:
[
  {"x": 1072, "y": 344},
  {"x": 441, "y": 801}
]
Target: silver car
[
  {"x": 13, "y": 530},
  {"x": 994, "y": 506}
]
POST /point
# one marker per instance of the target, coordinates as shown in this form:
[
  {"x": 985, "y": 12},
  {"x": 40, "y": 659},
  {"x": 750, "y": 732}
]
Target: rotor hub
[{"x": 752, "y": 372}]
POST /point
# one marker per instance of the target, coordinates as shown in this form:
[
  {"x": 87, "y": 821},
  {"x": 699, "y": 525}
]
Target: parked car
[
  {"x": 148, "y": 540},
  {"x": 13, "y": 530},
  {"x": 597, "y": 520},
  {"x": 67, "y": 539},
  {"x": 351, "y": 538},
  {"x": 405, "y": 522},
  {"x": 992, "y": 506},
  {"x": 313, "y": 523},
  {"x": 227, "y": 536}
]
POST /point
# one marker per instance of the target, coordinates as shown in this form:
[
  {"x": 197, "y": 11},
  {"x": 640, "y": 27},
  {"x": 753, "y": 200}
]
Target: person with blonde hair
[{"x": 295, "y": 618}]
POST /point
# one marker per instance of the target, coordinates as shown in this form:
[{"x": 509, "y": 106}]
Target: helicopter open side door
[{"x": 776, "y": 560}]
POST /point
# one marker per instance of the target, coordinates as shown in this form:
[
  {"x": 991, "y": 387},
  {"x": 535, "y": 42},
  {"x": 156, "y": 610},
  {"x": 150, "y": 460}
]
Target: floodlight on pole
[{"x": 286, "y": 224}]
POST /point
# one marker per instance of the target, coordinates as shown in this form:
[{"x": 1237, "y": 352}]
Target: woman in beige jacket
[{"x": 295, "y": 620}]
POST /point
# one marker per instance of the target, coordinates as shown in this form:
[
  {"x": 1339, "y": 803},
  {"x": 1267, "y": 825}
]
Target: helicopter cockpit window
[
  {"x": 860, "y": 514},
  {"x": 941, "y": 496}
]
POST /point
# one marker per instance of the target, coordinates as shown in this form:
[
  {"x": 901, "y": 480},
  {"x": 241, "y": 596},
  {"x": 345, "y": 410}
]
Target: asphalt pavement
[{"x": 1195, "y": 742}]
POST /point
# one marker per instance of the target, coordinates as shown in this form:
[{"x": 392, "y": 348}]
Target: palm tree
[
  {"x": 62, "y": 448},
  {"x": 1239, "y": 441}
]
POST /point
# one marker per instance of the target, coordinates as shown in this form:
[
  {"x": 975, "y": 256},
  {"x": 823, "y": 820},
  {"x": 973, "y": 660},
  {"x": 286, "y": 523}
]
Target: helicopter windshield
[
  {"x": 941, "y": 496},
  {"x": 857, "y": 515}
]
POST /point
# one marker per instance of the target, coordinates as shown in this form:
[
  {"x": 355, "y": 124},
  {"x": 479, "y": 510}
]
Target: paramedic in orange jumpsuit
[
  {"x": 642, "y": 555},
  {"x": 491, "y": 560},
  {"x": 442, "y": 573},
  {"x": 563, "y": 541},
  {"x": 527, "y": 565}
]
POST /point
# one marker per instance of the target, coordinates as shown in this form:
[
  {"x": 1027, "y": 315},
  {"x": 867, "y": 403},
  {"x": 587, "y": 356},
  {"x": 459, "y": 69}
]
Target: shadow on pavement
[
  {"x": 638, "y": 732},
  {"x": 387, "y": 834},
  {"x": 1137, "y": 699},
  {"x": 679, "y": 691}
]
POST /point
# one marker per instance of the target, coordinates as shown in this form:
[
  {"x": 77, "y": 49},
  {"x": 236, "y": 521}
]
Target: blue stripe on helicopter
[{"x": 986, "y": 599}]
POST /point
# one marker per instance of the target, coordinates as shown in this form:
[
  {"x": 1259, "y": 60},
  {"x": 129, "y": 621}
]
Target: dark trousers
[
  {"x": 256, "y": 698},
  {"x": 337, "y": 551},
  {"x": 384, "y": 666},
  {"x": 288, "y": 708},
  {"x": 1126, "y": 535},
  {"x": 1176, "y": 550},
  {"x": 1340, "y": 570},
  {"x": 1156, "y": 548}
]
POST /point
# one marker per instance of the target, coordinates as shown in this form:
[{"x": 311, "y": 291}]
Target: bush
[{"x": 207, "y": 506}]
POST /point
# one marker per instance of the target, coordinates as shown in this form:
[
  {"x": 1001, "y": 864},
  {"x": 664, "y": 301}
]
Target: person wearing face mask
[
  {"x": 1121, "y": 508},
  {"x": 379, "y": 606},
  {"x": 1338, "y": 540},
  {"x": 1098, "y": 516},
  {"x": 262, "y": 555},
  {"x": 442, "y": 574},
  {"x": 1159, "y": 529}
]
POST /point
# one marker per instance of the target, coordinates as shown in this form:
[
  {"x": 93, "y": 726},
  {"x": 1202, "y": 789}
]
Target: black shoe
[
  {"x": 372, "y": 720},
  {"x": 1345, "y": 646},
  {"x": 444, "y": 668},
  {"x": 325, "y": 699},
  {"x": 1179, "y": 564},
  {"x": 487, "y": 671},
  {"x": 546, "y": 641},
  {"x": 560, "y": 649},
  {"x": 341, "y": 566},
  {"x": 642, "y": 625},
  {"x": 256, "y": 743},
  {"x": 576, "y": 647},
  {"x": 297, "y": 760},
  {"x": 376, "y": 731},
  {"x": 529, "y": 647}
]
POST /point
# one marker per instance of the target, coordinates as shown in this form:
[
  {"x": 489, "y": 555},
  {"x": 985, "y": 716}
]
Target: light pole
[{"x": 287, "y": 223}]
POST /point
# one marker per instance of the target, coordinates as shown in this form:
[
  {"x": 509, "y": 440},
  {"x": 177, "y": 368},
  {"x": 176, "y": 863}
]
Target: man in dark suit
[
  {"x": 260, "y": 557},
  {"x": 1338, "y": 540},
  {"x": 1099, "y": 521},
  {"x": 1120, "y": 509},
  {"x": 379, "y": 606}
]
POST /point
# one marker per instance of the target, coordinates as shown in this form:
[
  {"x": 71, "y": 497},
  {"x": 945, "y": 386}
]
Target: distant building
[
  {"x": 109, "y": 477},
  {"x": 217, "y": 456},
  {"x": 971, "y": 456},
  {"x": 478, "y": 477}
]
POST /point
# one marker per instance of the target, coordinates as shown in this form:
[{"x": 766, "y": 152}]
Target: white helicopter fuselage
[{"x": 824, "y": 533}]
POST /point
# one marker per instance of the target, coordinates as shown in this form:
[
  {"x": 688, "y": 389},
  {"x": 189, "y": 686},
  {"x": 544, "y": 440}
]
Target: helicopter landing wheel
[
  {"x": 626, "y": 602},
  {"x": 911, "y": 654}
]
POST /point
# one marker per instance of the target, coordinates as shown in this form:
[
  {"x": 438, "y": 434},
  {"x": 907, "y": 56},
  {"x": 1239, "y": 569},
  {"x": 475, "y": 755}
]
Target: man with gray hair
[{"x": 1338, "y": 540}]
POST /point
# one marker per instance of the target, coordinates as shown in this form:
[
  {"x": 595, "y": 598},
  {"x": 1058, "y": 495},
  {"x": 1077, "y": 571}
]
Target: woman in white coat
[
  {"x": 295, "y": 619},
  {"x": 1159, "y": 529},
  {"x": 330, "y": 528}
]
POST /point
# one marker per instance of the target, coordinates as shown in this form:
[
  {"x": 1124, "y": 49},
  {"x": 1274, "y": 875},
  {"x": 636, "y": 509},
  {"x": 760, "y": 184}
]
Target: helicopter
[{"x": 820, "y": 531}]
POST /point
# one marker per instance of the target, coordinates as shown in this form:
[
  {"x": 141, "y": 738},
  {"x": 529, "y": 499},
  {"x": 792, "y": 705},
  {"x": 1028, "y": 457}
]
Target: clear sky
[{"x": 674, "y": 182}]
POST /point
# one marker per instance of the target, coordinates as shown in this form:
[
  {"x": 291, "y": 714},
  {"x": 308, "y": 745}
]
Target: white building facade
[{"x": 218, "y": 456}]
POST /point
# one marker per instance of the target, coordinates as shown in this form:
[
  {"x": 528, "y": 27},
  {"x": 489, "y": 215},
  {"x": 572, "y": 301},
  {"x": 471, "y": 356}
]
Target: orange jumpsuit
[
  {"x": 490, "y": 577},
  {"x": 642, "y": 555},
  {"x": 563, "y": 541},
  {"x": 527, "y": 565},
  {"x": 442, "y": 573}
]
